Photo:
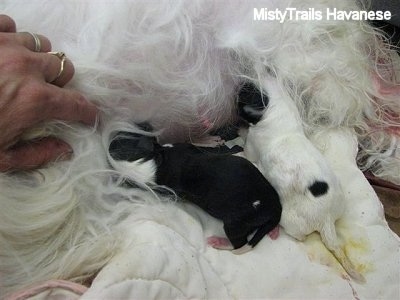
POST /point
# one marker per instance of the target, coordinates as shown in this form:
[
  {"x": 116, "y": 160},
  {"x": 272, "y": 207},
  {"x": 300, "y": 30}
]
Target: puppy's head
[
  {"x": 130, "y": 146},
  {"x": 258, "y": 217},
  {"x": 251, "y": 103}
]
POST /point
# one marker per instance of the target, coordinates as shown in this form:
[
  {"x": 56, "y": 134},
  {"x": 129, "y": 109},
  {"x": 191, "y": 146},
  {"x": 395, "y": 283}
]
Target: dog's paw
[
  {"x": 220, "y": 243},
  {"x": 274, "y": 233}
]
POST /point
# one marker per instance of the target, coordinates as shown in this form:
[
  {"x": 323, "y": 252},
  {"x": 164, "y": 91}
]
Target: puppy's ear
[
  {"x": 131, "y": 147},
  {"x": 318, "y": 188},
  {"x": 251, "y": 103}
]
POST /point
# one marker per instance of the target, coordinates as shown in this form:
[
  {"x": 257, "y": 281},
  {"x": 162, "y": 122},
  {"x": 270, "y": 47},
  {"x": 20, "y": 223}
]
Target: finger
[
  {"x": 33, "y": 154},
  {"x": 68, "y": 105},
  {"x": 7, "y": 24},
  {"x": 28, "y": 40},
  {"x": 55, "y": 70}
]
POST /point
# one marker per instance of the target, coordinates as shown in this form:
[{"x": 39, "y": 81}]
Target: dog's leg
[
  {"x": 237, "y": 237},
  {"x": 274, "y": 233},
  {"x": 330, "y": 240},
  {"x": 220, "y": 243},
  {"x": 261, "y": 232},
  {"x": 237, "y": 233}
]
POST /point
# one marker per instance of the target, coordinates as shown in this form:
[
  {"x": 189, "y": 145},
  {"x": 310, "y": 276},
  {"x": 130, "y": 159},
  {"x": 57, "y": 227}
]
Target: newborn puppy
[
  {"x": 311, "y": 196},
  {"x": 227, "y": 187}
]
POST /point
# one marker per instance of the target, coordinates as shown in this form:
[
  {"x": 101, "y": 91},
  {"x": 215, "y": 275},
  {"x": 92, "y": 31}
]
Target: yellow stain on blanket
[{"x": 356, "y": 249}]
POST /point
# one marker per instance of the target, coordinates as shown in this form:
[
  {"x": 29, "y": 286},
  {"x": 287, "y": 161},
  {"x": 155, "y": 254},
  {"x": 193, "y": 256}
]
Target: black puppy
[{"x": 228, "y": 187}]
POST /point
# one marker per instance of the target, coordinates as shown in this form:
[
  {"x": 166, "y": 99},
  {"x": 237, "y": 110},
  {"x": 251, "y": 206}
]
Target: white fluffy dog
[
  {"x": 177, "y": 64},
  {"x": 311, "y": 196}
]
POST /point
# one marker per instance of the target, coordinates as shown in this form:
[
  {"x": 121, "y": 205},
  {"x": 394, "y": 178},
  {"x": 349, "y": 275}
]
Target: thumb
[{"x": 33, "y": 154}]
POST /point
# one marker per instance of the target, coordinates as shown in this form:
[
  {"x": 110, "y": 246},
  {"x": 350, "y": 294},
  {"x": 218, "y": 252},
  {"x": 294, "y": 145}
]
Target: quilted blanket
[{"x": 165, "y": 254}]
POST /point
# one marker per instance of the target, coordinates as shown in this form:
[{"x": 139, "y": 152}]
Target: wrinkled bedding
[{"x": 166, "y": 255}]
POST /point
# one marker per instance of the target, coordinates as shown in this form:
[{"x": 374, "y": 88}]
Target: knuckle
[
  {"x": 78, "y": 104},
  {"x": 76, "y": 101},
  {"x": 4, "y": 38},
  {"x": 21, "y": 63},
  {"x": 33, "y": 91},
  {"x": 34, "y": 98},
  {"x": 79, "y": 98}
]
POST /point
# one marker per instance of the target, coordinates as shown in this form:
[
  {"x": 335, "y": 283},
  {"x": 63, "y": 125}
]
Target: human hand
[{"x": 30, "y": 93}]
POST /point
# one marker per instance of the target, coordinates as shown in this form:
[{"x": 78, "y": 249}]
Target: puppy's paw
[
  {"x": 220, "y": 243},
  {"x": 274, "y": 233}
]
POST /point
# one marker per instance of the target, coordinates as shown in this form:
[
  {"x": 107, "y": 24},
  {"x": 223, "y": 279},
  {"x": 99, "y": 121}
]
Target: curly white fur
[{"x": 175, "y": 64}]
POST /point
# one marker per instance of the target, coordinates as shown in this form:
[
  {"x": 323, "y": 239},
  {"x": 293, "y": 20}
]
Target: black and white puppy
[{"x": 228, "y": 187}]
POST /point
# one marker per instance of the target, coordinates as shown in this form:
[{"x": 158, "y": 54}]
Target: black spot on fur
[{"x": 318, "y": 188}]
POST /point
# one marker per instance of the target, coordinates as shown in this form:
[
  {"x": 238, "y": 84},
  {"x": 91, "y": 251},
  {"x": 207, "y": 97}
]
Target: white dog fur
[
  {"x": 278, "y": 146},
  {"x": 178, "y": 64}
]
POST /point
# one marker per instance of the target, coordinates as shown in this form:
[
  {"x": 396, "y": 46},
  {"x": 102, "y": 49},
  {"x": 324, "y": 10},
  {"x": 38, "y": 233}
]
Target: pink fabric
[
  {"x": 387, "y": 89},
  {"x": 48, "y": 290},
  {"x": 375, "y": 181}
]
